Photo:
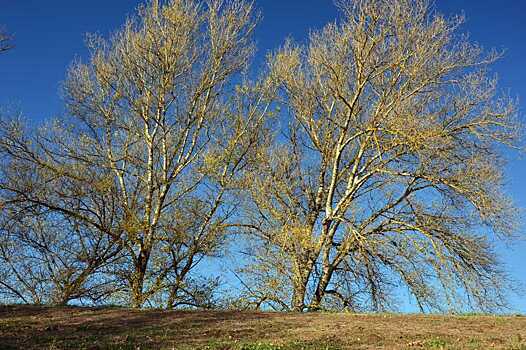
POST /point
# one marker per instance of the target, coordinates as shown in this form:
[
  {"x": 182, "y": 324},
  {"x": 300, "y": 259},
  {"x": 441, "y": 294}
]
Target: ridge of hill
[{"x": 34, "y": 327}]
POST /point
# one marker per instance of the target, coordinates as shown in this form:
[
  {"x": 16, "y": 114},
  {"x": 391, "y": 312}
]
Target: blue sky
[{"x": 49, "y": 34}]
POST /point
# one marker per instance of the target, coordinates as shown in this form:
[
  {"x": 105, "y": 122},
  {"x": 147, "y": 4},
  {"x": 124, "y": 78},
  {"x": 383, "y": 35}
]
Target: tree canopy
[{"x": 370, "y": 157}]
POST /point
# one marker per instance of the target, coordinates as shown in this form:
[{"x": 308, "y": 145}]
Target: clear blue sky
[{"x": 50, "y": 34}]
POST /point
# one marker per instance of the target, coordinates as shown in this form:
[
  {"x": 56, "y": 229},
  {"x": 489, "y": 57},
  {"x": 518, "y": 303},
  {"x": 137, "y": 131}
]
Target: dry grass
[{"x": 31, "y": 327}]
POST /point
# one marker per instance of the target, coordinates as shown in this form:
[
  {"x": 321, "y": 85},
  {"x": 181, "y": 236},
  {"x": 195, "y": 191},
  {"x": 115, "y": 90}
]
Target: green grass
[
  {"x": 265, "y": 346},
  {"x": 436, "y": 343}
]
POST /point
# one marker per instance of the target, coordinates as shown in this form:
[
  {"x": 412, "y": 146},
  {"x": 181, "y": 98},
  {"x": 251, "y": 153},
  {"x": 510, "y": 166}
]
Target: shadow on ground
[{"x": 33, "y": 327}]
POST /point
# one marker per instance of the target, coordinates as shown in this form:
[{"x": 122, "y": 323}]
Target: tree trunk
[
  {"x": 298, "y": 298},
  {"x": 137, "y": 281},
  {"x": 301, "y": 279},
  {"x": 61, "y": 300},
  {"x": 321, "y": 288},
  {"x": 137, "y": 297}
]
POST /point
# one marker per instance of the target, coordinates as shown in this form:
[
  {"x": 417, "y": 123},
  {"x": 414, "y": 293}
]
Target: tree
[
  {"x": 45, "y": 259},
  {"x": 156, "y": 135},
  {"x": 390, "y": 169},
  {"x": 46, "y": 255}
]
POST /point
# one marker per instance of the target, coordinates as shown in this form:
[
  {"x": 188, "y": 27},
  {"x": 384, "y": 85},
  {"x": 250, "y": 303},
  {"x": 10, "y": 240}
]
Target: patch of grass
[
  {"x": 517, "y": 343},
  {"x": 436, "y": 343},
  {"x": 474, "y": 344},
  {"x": 473, "y": 314},
  {"x": 261, "y": 346},
  {"x": 290, "y": 346},
  {"x": 518, "y": 347}
]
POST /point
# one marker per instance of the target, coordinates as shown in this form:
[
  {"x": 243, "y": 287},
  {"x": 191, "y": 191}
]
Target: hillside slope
[{"x": 31, "y": 327}]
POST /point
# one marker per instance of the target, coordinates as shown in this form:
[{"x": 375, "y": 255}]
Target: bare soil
[{"x": 33, "y": 327}]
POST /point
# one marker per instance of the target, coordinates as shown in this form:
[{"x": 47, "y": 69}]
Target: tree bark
[
  {"x": 319, "y": 294},
  {"x": 137, "y": 282},
  {"x": 301, "y": 279},
  {"x": 298, "y": 298}
]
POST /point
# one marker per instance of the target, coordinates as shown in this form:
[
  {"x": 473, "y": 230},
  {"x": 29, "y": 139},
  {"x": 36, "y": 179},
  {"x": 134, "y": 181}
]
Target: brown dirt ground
[{"x": 32, "y": 327}]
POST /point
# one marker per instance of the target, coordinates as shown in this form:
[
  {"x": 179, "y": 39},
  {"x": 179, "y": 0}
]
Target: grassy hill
[{"x": 31, "y": 327}]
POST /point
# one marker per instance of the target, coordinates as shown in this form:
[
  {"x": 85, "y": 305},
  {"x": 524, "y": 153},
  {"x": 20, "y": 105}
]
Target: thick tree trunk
[
  {"x": 319, "y": 294},
  {"x": 137, "y": 281},
  {"x": 298, "y": 298},
  {"x": 137, "y": 296},
  {"x": 61, "y": 301},
  {"x": 300, "y": 288}
]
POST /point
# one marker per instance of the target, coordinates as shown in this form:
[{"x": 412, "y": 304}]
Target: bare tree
[
  {"x": 390, "y": 169},
  {"x": 48, "y": 256},
  {"x": 45, "y": 259},
  {"x": 155, "y": 140}
]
